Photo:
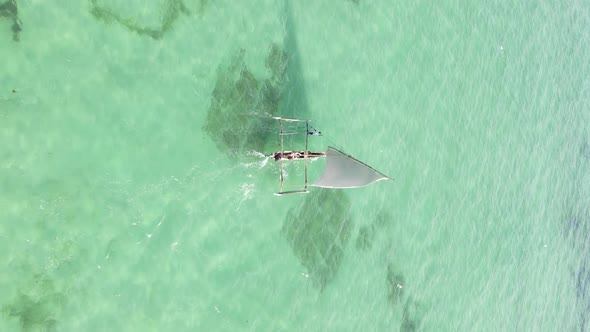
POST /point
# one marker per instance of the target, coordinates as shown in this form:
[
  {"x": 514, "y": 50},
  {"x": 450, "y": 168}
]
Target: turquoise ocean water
[{"x": 134, "y": 194}]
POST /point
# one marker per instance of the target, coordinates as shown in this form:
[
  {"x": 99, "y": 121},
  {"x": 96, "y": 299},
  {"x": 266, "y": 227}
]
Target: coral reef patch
[
  {"x": 9, "y": 10},
  {"x": 239, "y": 118},
  {"x": 318, "y": 232}
]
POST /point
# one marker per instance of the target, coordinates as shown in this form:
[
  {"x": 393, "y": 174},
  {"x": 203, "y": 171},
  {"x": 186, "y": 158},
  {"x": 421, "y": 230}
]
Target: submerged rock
[
  {"x": 365, "y": 237},
  {"x": 37, "y": 306},
  {"x": 585, "y": 150},
  {"x": 367, "y": 234},
  {"x": 9, "y": 10},
  {"x": 395, "y": 285},
  {"x": 412, "y": 310},
  {"x": 577, "y": 233},
  {"x": 412, "y": 316},
  {"x": 276, "y": 63},
  {"x": 318, "y": 233},
  {"x": 171, "y": 11},
  {"x": 239, "y": 117}
]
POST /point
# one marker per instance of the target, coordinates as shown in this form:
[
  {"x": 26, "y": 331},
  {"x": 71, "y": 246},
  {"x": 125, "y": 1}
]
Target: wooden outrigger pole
[
  {"x": 293, "y": 155},
  {"x": 306, "y": 153},
  {"x": 282, "y": 150}
]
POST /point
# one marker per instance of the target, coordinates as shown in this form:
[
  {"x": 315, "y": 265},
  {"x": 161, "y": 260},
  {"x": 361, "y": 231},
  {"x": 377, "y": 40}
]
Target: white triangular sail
[{"x": 344, "y": 171}]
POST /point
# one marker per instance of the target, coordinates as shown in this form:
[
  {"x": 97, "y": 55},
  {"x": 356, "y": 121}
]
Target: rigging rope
[{"x": 315, "y": 132}]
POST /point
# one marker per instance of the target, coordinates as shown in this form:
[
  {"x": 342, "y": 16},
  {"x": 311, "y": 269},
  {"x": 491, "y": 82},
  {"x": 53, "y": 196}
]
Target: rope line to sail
[{"x": 319, "y": 133}]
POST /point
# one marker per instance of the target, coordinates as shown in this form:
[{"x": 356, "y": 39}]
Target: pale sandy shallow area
[{"x": 124, "y": 207}]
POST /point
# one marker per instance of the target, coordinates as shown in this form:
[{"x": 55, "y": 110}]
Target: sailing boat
[{"x": 342, "y": 170}]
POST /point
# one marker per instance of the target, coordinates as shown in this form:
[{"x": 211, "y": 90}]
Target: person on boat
[
  {"x": 314, "y": 132},
  {"x": 296, "y": 155},
  {"x": 288, "y": 155}
]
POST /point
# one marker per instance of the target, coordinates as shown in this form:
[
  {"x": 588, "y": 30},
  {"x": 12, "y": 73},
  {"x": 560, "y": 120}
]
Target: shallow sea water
[{"x": 135, "y": 195}]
